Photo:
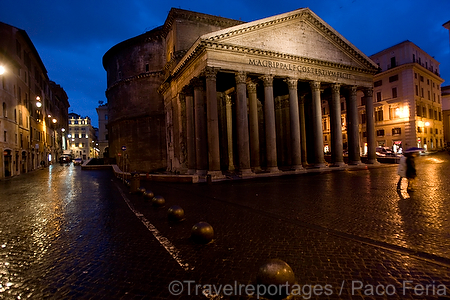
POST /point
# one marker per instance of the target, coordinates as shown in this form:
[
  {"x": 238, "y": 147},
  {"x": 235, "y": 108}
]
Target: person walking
[
  {"x": 401, "y": 171},
  {"x": 411, "y": 173}
]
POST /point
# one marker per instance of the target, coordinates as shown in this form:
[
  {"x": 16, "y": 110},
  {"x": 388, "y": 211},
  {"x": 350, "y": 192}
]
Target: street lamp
[{"x": 38, "y": 102}]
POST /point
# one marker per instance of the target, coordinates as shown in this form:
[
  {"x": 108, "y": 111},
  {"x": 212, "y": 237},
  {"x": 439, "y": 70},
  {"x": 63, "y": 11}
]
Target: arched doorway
[{"x": 7, "y": 160}]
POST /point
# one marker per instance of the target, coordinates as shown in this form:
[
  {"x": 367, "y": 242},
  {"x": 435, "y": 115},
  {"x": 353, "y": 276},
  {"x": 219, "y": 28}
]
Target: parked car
[
  {"x": 384, "y": 151},
  {"x": 65, "y": 159},
  {"x": 77, "y": 161}
]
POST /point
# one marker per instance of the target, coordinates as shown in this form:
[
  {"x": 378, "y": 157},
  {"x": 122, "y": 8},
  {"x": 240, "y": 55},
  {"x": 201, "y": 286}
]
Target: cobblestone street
[{"x": 72, "y": 234}]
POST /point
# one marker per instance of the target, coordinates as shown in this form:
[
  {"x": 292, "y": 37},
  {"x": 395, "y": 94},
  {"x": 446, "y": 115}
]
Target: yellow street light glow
[
  {"x": 2, "y": 70},
  {"x": 54, "y": 121},
  {"x": 427, "y": 123},
  {"x": 38, "y": 104}
]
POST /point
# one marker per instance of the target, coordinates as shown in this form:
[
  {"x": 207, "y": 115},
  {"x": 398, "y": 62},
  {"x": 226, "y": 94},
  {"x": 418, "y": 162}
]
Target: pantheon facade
[{"x": 206, "y": 95}]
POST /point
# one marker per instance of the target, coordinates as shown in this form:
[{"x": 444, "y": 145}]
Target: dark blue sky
[{"x": 72, "y": 36}]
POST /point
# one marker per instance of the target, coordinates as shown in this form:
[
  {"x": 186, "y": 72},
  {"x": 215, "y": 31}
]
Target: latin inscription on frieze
[{"x": 298, "y": 68}]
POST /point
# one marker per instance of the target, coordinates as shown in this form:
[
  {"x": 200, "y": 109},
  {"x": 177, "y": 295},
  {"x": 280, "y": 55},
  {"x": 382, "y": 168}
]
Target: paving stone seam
[
  {"x": 421, "y": 255},
  {"x": 165, "y": 242}
]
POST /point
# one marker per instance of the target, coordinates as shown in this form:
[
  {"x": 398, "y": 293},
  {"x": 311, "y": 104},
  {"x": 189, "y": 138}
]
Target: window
[
  {"x": 18, "y": 49},
  {"x": 418, "y": 111},
  {"x": 421, "y": 92},
  {"x": 435, "y": 115},
  {"x": 393, "y": 63},
  {"x": 424, "y": 112},
  {"x": 429, "y": 97},
  {"x": 396, "y": 131},
  {"x": 4, "y": 136},
  {"x": 417, "y": 90},
  {"x": 378, "y": 83},
  {"x": 394, "y": 92},
  {"x": 380, "y": 132},
  {"x": 379, "y": 115},
  {"x": 147, "y": 68},
  {"x": 421, "y": 78},
  {"x": 426, "y": 130},
  {"x": 430, "y": 113},
  {"x": 4, "y": 110},
  {"x": 436, "y": 131},
  {"x": 378, "y": 96},
  {"x": 419, "y": 129},
  {"x": 393, "y": 78}
]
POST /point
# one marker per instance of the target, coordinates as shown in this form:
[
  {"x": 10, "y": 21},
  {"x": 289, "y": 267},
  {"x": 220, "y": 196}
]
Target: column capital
[
  {"x": 228, "y": 100},
  {"x": 267, "y": 80},
  {"x": 241, "y": 77},
  {"x": 291, "y": 82},
  {"x": 335, "y": 87},
  {"x": 353, "y": 90},
  {"x": 187, "y": 90},
  {"x": 315, "y": 85},
  {"x": 210, "y": 73},
  {"x": 368, "y": 91},
  {"x": 197, "y": 83},
  {"x": 251, "y": 87}
]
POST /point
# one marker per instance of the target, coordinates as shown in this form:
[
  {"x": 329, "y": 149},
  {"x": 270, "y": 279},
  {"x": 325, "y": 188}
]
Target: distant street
[{"x": 72, "y": 234}]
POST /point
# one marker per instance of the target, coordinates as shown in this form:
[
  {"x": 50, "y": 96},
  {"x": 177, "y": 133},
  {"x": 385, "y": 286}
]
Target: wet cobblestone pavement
[{"x": 70, "y": 234}]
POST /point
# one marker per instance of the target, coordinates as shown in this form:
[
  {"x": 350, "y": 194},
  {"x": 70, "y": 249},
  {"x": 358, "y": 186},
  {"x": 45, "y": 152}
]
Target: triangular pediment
[{"x": 299, "y": 33}]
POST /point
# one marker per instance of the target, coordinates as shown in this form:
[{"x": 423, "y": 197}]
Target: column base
[
  {"x": 372, "y": 162},
  {"x": 297, "y": 168},
  {"x": 245, "y": 172},
  {"x": 200, "y": 172},
  {"x": 215, "y": 175},
  {"x": 257, "y": 170},
  {"x": 273, "y": 169},
  {"x": 320, "y": 165},
  {"x": 338, "y": 164},
  {"x": 354, "y": 163}
]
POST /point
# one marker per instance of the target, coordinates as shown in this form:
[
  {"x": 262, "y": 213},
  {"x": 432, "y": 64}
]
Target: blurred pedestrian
[
  {"x": 411, "y": 173},
  {"x": 401, "y": 171}
]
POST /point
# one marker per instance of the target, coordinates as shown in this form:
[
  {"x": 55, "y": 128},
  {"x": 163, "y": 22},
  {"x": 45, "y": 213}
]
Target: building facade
[
  {"x": 102, "y": 136},
  {"x": 81, "y": 138},
  {"x": 407, "y": 99},
  {"x": 446, "y": 114},
  {"x": 238, "y": 96},
  {"x": 33, "y": 112}
]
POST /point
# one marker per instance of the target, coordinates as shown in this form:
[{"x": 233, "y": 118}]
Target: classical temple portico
[{"x": 234, "y": 83}]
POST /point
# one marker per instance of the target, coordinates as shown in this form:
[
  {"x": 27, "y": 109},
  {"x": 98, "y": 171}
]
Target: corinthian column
[
  {"x": 370, "y": 126},
  {"x": 319, "y": 159},
  {"x": 242, "y": 123},
  {"x": 229, "y": 132},
  {"x": 337, "y": 156},
  {"x": 352, "y": 129},
  {"x": 253, "y": 125},
  {"x": 295, "y": 124},
  {"x": 190, "y": 131},
  {"x": 269, "y": 119},
  {"x": 212, "y": 121},
  {"x": 200, "y": 127}
]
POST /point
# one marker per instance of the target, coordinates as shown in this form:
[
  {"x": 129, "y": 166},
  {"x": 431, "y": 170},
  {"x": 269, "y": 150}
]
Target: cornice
[
  {"x": 132, "y": 78},
  {"x": 176, "y": 13},
  {"x": 202, "y": 45}
]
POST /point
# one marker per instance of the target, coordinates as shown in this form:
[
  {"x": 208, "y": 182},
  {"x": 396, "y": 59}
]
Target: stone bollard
[
  {"x": 141, "y": 190},
  {"x": 148, "y": 195},
  {"x": 158, "y": 201},
  {"x": 277, "y": 277},
  {"x": 175, "y": 213},
  {"x": 202, "y": 233}
]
